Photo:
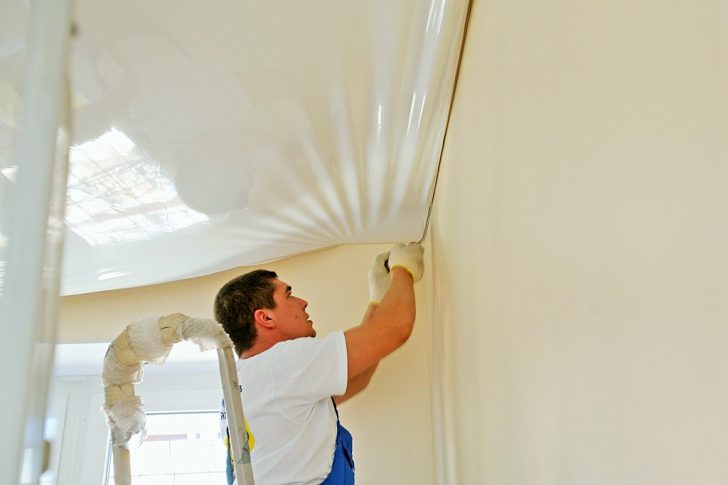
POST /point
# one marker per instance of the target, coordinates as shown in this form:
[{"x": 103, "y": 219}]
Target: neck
[{"x": 258, "y": 347}]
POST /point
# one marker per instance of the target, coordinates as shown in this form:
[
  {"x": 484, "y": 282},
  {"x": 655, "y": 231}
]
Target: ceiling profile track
[{"x": 447, "y": 122}]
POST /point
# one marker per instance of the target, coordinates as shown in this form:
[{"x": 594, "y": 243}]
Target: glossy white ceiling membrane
[{"x": 210, "y": 136}]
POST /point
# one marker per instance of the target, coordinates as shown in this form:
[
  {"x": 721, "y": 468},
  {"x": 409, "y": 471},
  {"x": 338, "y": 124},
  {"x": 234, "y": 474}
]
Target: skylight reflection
[
  {"x": 117, "y": 193},
  {"x": 11, "y": 173}
]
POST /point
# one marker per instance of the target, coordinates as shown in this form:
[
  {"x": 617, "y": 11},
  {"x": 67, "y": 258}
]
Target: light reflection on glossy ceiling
[{"x": 234, "y": 133}]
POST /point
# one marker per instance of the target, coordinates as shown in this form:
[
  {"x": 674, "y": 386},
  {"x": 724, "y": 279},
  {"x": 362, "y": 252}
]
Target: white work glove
[
  {"x": 409, "y": 257},
  {"x": 379, "y": 278}
]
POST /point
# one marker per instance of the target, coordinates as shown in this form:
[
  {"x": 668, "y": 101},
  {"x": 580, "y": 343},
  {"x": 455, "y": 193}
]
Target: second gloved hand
[
  {"x": 409, "y": 257},
  {"x": 379, "y": 278}
]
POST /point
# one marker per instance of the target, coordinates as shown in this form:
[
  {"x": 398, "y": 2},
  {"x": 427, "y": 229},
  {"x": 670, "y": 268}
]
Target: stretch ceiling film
[{"x": 232, "y": 133}]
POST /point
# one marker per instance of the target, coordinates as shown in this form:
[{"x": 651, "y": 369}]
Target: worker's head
[{"x": 237, "y": 301}]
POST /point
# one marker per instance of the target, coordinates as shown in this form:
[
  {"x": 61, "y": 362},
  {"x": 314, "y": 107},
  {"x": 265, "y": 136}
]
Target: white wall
[
  {"x": 579, "y": 241},
  {"x": 390, "y": 421}
]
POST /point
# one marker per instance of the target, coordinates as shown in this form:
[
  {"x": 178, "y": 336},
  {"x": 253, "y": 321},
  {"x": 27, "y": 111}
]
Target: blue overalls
[{"x": 342, "y": 469}]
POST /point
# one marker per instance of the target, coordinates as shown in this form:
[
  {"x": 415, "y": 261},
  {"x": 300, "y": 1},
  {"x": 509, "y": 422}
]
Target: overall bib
[{"x": 342, "y": 470}]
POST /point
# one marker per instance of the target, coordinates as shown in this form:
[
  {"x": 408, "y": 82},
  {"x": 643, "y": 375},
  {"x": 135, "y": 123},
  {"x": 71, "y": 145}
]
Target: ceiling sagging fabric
[{"x": 242, "y": 132}]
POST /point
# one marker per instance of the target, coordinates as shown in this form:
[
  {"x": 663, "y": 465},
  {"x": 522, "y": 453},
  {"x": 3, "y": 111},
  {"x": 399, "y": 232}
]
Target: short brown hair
[{"x": 236, "y": 302}]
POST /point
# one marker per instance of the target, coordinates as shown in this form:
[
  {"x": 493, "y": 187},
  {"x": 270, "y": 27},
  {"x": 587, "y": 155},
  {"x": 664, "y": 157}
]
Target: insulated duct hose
[{"x": 149, "y": 341}]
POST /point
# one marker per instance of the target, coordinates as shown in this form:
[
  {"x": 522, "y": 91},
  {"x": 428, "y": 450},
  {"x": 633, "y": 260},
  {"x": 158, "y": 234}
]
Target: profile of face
[{"x": 290, "y": 315}]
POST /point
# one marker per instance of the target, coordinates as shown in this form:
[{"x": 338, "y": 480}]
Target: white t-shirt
[{"x": 286, "y": 393}]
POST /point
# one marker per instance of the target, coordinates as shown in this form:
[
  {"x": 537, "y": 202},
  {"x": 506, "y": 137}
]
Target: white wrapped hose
[{"x": 149, "y": 341}]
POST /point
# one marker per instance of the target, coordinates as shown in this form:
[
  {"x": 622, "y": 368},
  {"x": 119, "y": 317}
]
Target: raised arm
[{"x": 388, "y": 324}]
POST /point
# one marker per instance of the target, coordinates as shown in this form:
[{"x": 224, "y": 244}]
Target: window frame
[{"x": 80, "y": 449}]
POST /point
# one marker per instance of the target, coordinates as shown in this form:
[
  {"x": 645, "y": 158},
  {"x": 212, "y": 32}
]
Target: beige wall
[
  {"x": 390, "y": 421},
  {"x": 579, "y": 240}
]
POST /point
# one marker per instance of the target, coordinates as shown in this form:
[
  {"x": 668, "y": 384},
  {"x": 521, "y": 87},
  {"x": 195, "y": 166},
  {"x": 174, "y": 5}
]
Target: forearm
[
  {"x": 397, "y": 310},
  {"x": 392, "y": 321},
  {"x": 360, "y": 381},
  {"x": 369, "y": 313},
  {"x": 387, "y": 325}
]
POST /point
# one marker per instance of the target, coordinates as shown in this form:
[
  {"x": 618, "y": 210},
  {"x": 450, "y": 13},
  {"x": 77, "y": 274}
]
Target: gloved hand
[
  {"x": 379, "y": 279},
  {"x": 409, "y": 257}
]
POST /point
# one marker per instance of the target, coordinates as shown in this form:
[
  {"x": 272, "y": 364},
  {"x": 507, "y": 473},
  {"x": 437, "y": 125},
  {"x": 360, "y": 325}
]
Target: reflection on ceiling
[
  {"x": 117, "y": 194},
  {"x": 242, "y": 132}
]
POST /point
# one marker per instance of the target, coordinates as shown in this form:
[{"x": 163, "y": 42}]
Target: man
[{"x": 291, "y": 381}]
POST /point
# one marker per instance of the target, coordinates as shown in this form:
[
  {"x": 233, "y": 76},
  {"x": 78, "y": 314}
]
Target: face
[{"x": 290, "y": 313}]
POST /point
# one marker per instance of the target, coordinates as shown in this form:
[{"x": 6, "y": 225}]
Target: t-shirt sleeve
[{"x": 310, "y": 369}]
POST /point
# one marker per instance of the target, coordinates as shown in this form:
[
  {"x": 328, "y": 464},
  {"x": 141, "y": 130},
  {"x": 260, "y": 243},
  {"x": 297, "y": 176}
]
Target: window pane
[{"x": 180, "y": 449}]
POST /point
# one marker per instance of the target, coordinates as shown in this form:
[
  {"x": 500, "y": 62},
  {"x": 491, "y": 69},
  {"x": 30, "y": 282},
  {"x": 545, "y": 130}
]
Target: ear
[{"x": 263, "y": 318}]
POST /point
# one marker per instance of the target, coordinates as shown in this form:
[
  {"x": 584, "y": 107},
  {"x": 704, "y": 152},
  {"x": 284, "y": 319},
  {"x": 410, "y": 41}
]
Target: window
[{"x": 180, "y": 449}]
